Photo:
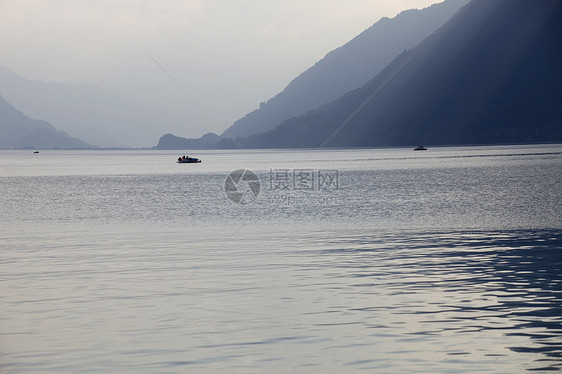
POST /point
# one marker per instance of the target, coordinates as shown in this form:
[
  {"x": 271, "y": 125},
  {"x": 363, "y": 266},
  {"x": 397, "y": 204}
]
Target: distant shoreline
[{"x": 429, "y": 146}]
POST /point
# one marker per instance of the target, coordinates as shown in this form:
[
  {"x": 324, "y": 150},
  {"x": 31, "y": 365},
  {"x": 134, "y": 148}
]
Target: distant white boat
[{"x": 420, "y": 148}]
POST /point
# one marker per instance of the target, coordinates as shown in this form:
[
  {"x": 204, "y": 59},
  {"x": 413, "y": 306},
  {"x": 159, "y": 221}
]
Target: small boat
[
  {"x": 188, "y": 160},
  {"x": 36, "y": 152},
  {"x": 420, "y": 148}
]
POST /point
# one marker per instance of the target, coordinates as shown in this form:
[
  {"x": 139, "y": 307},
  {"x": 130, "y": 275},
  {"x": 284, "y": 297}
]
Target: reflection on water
[
  {"x": 476, "y": 284},
  {"x": 133, "y": 300}
]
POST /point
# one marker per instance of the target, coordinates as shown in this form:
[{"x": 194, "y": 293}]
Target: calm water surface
[{"x": 380, "y": 260}]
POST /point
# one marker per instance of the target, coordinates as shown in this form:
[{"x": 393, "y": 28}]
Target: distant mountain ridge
[
  {"x": 347, "y": 67},
  {"x": 169, "y": 141},
  {"x": 89, "y": 112},
  {"x": 19, "y": 131},
  {"x": 490, "y": 75},
  {"x": 341, "y": 70}
]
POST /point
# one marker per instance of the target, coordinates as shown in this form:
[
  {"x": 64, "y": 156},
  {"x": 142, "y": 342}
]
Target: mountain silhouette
[
  {"x": 95, "y": 114},
  {"x": 491, "y": 74},
  {"x": 19, "y": 131},
  {"x": 341, "y": 70},
  {"x": 347, "y": 67},
  {"x": 169, "y": 141}
]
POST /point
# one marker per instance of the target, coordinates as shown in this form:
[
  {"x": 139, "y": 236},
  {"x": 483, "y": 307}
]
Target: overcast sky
[{"x": 230, "y": 55}]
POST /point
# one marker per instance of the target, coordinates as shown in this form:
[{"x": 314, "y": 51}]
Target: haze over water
[{"x": 447, "y": 260}]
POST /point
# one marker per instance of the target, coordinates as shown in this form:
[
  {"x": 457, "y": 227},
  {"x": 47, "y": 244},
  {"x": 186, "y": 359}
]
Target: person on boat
[{"x": 179, "y": 158}]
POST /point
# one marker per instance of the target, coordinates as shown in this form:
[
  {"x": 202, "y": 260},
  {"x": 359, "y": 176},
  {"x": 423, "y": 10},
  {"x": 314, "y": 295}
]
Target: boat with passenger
[{"x": 188, "y": 160}]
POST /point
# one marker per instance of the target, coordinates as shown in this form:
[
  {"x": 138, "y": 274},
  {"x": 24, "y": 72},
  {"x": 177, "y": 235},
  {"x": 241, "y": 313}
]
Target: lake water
[{"x": 369, "y": 260}]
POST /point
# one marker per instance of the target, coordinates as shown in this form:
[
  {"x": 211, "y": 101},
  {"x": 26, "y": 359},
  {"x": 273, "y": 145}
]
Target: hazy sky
[{"x": 230, "y": 55}]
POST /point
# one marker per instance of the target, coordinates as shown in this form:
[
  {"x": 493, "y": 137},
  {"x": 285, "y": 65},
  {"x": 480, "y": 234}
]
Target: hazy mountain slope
[
  {"x": 347, "y": 67},
  {"x": 492, "y": 74},
  {"x": 19, "y": 131},
  {"x": 169, "y": 141},
  {"x": 86, "y": 111}
]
